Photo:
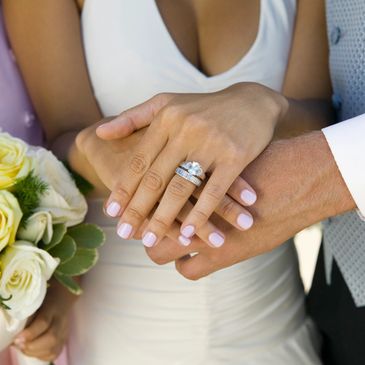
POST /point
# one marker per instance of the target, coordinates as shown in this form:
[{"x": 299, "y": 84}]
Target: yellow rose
[
  {"x": 10, "y": 216},
  {"x": 14, "y": 163}
]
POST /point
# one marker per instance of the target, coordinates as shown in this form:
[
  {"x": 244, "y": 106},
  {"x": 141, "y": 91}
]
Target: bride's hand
[
  {"x": 105, "y": 157},
  {"x": 223, "y": 131},
  {"x": 46, "y": 334}
]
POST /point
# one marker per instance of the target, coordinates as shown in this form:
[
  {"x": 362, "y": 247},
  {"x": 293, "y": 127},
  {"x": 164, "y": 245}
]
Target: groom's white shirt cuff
[{"x": 347, "y": 141}]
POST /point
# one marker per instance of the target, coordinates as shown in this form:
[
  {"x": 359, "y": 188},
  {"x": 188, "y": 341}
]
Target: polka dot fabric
[{"x": 344, "y": 236}]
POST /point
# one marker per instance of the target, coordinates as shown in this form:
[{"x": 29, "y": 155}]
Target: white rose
[
  {"x": 25, "y": 271},
  {"x": 38, "y": 227},
  {"x": 62, "y": 199}
]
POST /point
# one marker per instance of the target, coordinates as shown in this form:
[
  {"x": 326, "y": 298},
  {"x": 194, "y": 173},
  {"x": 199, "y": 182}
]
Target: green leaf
[
  {"x": 59, "y": 231},
  {"x": 2, "y": 302},
  {"x": 68, "y": 283},
  {"x": 83, "y": 260},
  {"x": 28, "y": 192},
  {"x": 87, "y": 235},
  {"x": 65, "y": 250}
]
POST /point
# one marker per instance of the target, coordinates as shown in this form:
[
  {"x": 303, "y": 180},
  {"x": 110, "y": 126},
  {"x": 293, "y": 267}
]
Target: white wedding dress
[{"x": 134, "y": 312}]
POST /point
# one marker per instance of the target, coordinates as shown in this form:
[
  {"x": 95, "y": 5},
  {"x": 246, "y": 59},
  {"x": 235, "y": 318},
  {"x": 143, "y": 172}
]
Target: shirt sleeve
[{"x": 347, "y": 141}]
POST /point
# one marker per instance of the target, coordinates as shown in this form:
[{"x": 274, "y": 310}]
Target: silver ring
[
  {"x": 187, "y": 176},
  {"x": 193, "y": 168}
]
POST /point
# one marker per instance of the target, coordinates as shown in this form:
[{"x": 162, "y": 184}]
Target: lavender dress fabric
[{"x": 16, "y": 113}]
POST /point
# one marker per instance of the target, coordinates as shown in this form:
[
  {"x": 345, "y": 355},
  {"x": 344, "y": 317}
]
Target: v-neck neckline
[{"x": 190, "y": 66}]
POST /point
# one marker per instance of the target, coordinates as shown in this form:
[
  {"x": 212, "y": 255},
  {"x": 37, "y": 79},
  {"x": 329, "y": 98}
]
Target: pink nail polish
[
  {"x": 125, "y": 230},
  {"x": 245, "y": 221},
  {"x": 113, "y": 209},
  {"x": 248, "y": 197},
  {"x": 149, "y": 239},
  {"x": 184, "y": 241},
  {"x": 101, "y": 126},
  {"x": 188, "y": 231},
  {"x": 216, "y": 239},
  {"x": 19, "y": 341}
]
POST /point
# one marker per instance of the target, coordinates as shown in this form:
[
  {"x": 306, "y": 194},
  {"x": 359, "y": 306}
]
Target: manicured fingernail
[
  {"x": 188, "y": 231},
  {"x": 184, "y": 240},
  {"x": 216, "y": 239},
  {"x": 149, "y": 239},
  {"x": 101, "y": 126},
  {"x": 245, "y": 221},
  {"x": 19, "y": 341},
  {"x": 248, "y": 197},
  {"x": 125, "y": 230},
  {"x": 113, "y": 209}
]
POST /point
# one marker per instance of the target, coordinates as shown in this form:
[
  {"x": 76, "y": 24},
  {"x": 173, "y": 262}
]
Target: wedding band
[
  {"x": 193, "y": 168},
  {"x": 187, "y": 176}
]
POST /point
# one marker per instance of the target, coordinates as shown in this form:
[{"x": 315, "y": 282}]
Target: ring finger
[{"x": 177, "y": 193}]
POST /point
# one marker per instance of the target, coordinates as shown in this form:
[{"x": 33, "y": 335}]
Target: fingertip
[
  {"x": 104, "y": 131},
  {"x": 248, "y": 197},
  {"x": 245, "y": 221},
  {"x": 113, "y": 209},
  {"x": 188, "y": 231},
  {"x": 216, "y": 239},
  {"x": 184, "y": 240}
]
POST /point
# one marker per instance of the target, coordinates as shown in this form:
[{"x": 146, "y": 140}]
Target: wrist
[
  {"x": 298, "y": 183},
  {"x": 317, "y": 188}
]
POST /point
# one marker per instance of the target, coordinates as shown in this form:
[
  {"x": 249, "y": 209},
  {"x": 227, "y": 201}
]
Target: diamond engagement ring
[{"x": 191, "y": 171}]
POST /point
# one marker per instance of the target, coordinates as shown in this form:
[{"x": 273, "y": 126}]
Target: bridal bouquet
[{"x": 41, "y": 234}]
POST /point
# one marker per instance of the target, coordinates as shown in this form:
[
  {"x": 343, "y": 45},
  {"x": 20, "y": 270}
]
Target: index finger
[{"x": 133, "y": 119}]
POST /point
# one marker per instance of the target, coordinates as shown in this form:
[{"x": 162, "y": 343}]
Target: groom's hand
[{"x": 298, "y": 183}]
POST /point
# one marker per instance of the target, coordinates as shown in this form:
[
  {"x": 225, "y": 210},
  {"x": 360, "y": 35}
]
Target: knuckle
[
  {"x": 215, "y": 192},
  {"x": 153, "y": 181},
  {"x": 44, "y": 322},
  {"x": 52, "y": 340},
  {"x": 134, "y": 214},
  {"x": 138, "y": 163},
  {"x": 161, "y": 98},
  {"x": 227, "y": 207},
  {"x": 80, "y": 139},
  {"x": 194, "y": 124},
  {"x": 120, "y": 191},
  {"x": 170, "y": 113},
  {"x": 160, "y": 223},
  {"x": 178, "y": 189},
  {"x": 200, "y": 215},
  {"x": 233, "y": 151}
]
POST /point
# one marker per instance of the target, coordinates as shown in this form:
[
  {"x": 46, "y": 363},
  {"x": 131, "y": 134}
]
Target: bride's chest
[
  {"x": 213, "y": 35},
  {"x": 135, "y": 49}
]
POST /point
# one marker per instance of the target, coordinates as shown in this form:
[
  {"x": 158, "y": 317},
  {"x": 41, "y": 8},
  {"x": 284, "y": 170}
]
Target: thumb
[{"x": 133, "y": 119}]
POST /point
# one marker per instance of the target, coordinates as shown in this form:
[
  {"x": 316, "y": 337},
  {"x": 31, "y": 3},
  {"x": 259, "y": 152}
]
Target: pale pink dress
[{"x": 16, "y": 117}]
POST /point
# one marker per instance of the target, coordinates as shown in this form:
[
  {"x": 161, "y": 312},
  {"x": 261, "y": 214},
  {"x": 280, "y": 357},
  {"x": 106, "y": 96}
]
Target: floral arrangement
[{"x": 41, "y": 230}]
